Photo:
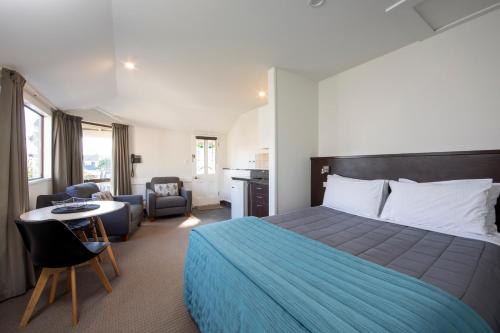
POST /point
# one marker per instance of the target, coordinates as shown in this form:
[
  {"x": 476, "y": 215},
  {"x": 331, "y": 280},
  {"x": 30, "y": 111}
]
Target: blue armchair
[{"x": 121, "y": 223}]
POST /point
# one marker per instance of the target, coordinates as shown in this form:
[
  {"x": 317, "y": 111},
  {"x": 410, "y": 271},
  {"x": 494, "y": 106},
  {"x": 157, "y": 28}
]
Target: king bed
[{"x": 327, "y": 270}]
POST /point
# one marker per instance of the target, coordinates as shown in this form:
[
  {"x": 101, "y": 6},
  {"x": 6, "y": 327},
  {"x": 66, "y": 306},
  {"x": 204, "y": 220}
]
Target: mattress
[{"x": 465, "y": 268}]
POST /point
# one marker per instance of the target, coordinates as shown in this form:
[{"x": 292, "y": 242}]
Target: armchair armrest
[
  {"x": 117, "y": 222},
  {"x": 131, "y": 199},
  {"x": 150, "y": 203},
  {"x": 188, "y": 195}
]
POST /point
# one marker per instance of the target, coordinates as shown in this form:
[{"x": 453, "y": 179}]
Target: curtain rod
[{"x": 96, "y": 124}]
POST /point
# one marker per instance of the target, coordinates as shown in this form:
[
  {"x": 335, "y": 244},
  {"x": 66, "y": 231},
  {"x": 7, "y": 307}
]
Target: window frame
[
  {"x": 99, "y": 180},
  {"x": 205, "y": 140},
  {"x": 42, "y": 143}
]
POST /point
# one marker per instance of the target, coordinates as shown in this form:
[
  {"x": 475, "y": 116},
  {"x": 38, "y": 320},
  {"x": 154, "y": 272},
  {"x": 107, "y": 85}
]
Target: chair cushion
[
  {"x": 84, "y": 190},
  {"x": 170, "y": 201},
  {"x": 165, "y": 190},
  {"x": 165, "y": 180},
  {"x": 80, "y": 224},
  {"x": 96, "y": 247}
]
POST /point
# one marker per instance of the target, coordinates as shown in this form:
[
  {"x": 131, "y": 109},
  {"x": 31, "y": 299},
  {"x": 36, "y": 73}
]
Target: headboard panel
[{"x": 421, "y": 167}]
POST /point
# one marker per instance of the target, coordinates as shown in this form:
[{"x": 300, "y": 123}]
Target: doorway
[{"x": 205, "y": 173}]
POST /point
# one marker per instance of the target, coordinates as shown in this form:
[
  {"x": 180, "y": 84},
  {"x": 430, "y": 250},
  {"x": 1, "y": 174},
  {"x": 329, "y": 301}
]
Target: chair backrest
[
  {"x": 165, "y": 180},
  {"x": 52, "y": 244},
  {"x": 45, "y": 200},
  {"x": 84, "y": 190}
]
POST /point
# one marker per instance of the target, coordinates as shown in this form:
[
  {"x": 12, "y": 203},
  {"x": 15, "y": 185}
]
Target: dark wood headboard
[{"x": 421, "y": 167}]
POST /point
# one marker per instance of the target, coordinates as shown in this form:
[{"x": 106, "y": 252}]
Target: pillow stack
[{"x": 457, "y": 206}]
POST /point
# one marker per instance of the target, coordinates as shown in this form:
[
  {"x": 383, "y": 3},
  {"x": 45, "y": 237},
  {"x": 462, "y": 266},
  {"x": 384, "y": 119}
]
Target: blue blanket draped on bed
[{"x": 246, "y": 275}]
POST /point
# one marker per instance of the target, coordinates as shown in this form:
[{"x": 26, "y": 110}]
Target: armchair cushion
[
  {"x": 84, "y": 190},
  {"x": 170, "y": 201}
]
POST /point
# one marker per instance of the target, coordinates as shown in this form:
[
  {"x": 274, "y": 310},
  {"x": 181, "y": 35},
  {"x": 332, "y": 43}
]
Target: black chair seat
[{"x": 96, "y": 247}]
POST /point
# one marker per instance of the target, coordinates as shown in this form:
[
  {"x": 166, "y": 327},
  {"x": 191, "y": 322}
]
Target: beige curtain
[
  {"x": 67, "y": 151},
  {"x": 121, "y": 160},
  {"x": 16, "y": 270}
]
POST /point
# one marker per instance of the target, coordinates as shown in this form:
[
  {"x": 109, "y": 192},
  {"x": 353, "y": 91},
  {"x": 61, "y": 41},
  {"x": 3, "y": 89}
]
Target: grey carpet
[{"x": 146, "y": 298}]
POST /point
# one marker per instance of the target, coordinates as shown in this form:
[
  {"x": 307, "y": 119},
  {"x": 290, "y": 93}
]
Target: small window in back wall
[{"x": 206, "y": 156}]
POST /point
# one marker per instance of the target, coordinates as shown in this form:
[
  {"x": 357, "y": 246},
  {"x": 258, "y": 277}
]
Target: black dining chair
[
  {"x": 55, "y": 248},
  {"x": 77, "y": 226}
]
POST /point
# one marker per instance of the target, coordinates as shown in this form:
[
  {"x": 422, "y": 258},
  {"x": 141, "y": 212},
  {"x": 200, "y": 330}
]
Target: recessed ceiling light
[
  {"x": 129, "y": 65},
  {"x": 262, "y": 94},
  {"x": 316, "y": 3}
]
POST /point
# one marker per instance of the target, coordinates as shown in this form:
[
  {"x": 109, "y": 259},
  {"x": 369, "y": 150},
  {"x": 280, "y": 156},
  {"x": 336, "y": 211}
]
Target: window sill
[{"x": 39, "y": 180}]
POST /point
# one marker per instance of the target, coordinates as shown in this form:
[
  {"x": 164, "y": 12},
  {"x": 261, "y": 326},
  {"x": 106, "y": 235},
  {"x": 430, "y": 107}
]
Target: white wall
[
  {"x": 296, "y": 108},
  {"x": 442, "y": 94},
  {"x": 38, "y": 187},
  {"x": 271, "y": 105},
  {"x": 243, "y": 141},
  {"x": 163, "y": 152}
]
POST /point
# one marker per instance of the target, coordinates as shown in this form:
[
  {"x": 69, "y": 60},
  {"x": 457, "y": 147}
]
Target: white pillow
[
  {"x": 448, "y": 207},
  {"x": 356, "y": 196},
  {"x": 491, "y": 202}
]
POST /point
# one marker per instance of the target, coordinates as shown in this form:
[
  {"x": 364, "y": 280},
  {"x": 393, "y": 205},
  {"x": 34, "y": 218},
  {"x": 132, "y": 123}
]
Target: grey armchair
[
  {"x": 121, "y": 223},
  {"x": 157, "y": 206}
]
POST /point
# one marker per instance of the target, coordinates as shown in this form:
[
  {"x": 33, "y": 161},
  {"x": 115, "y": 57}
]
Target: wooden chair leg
[
  {"x": 94, "y": 233},
  {"x": 74, "y": 304},
  {"x": 124, "y": 238},
  {"x": 83, "y": 236},
  {"x": 100, "y": 273},
  {"x": 109, "y": 249},
  {"x": 151, "y": 219},
  {"x": 53, "y": 288},
  {"x": 40, "y": 285}
]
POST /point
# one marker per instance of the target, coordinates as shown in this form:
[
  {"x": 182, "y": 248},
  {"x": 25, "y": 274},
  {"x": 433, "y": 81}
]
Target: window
[
  {"x": 200, "y": 157},
  {"x": 97, "y": 150},
  {"x": 34, "y": 142},
  {"x": 206, "y": 155}
]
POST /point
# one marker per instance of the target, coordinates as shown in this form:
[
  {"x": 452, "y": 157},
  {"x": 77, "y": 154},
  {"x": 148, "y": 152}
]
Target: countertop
[{"x": 253, "y": 180}]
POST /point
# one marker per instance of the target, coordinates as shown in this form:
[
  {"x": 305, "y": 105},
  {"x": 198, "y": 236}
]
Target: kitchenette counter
[{"x": 254, "y": 180}]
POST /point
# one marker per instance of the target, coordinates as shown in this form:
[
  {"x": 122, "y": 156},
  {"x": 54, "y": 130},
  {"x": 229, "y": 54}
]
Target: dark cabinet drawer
[{"x": 258, "y": 200}]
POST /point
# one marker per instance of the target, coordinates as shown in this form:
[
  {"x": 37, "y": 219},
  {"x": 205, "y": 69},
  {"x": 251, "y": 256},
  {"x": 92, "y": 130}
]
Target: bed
[{"x": 323, "y": 270}]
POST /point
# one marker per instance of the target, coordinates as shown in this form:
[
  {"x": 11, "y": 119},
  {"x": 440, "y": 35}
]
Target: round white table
[{"x": 105, "y": 207}]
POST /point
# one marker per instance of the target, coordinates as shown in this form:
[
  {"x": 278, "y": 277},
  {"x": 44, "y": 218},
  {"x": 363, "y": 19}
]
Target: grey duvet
[{"x": 468, "y": 269}]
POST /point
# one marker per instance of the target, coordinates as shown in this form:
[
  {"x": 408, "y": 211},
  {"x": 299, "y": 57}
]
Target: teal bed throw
[{"x": 247, "y": 275}]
